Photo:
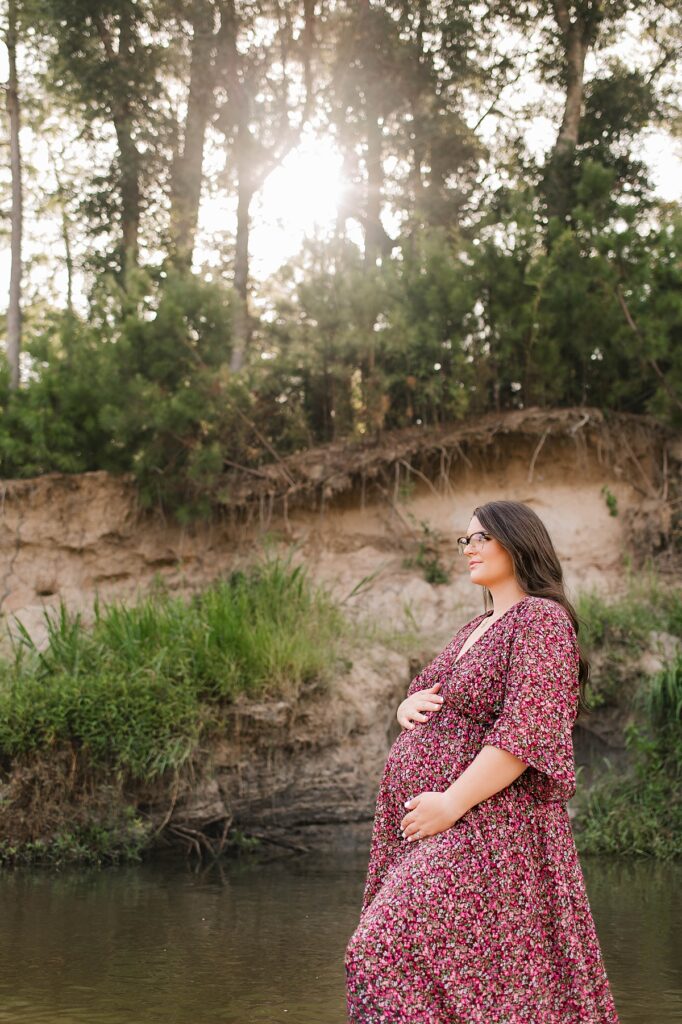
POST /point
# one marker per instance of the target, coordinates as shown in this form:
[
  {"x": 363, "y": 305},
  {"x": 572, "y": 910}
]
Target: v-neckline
[{"x": 485, "y": 615}]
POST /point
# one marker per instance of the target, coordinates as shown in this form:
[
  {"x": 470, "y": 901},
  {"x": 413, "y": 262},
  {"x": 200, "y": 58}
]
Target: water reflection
[
  {"x": 637, "y": 906},
  {"x": 244, "y": 943}
]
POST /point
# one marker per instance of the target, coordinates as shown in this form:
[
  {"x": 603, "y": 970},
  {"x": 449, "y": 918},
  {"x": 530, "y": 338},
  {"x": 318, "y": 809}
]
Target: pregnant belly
[{"x": 431, "y": 756}]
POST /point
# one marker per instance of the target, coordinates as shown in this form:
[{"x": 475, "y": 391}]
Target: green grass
[
  {"x": 641, "y": 818},
  {"x": 646, "y": 604},
  {"x": 620, "y": 629},
  {"x": 136, "y": 691},
  {"x": 639, "y": 814},
  {"x": 428, "y": 556},
  {"x": 93, "y": 843}
]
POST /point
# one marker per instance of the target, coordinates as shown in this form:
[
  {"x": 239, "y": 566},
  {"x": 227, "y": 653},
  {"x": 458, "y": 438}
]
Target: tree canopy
[{"x": 464, "y": 270}]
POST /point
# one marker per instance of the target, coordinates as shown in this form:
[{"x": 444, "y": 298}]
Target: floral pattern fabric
[{"x": 489, "y": 921}]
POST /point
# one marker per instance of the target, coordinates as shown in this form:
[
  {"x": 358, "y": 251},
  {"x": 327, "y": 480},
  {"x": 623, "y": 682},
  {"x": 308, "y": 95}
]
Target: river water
[{"x": 241, "y": 942}]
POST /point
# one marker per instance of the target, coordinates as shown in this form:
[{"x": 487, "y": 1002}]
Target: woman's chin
[{"x": 476, "y": 576}]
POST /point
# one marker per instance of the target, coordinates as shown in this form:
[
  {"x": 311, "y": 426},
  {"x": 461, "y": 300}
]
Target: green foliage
[
  {"x": 611, "y": 500},
  {"x": 508, "y": 271},
  {"x": 430, "y": 301},
  {"x": 325, "y": 348},
  {"x": 625, "y": 621},
  {"x": 428, "y": 555},
  {"x": 486, "y": 279},
  {"x": 143, "y": 387},
  {"x": 179, "y": 411},
  {"x": 619, "y": 630},
  {"x": 121, "y": 840},
  {"x": 448, "y": 329},
  {"x": 619, "y": 104},
  {"x": 641, "y": 814},
  {"x": 135, "y": 693},
  {"x": 108, "y": 70},
  {"x": 645, "y": 603},
  {"x": 663, "y": 702},
  {"x": 637, "y": 819}
]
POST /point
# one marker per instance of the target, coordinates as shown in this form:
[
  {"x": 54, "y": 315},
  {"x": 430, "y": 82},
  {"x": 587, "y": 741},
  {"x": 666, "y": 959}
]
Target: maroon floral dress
[{"x": 487, "y": 922}]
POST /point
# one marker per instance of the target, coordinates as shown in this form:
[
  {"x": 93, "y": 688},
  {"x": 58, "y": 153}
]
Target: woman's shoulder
[
  {"x": 532, "y": 610},
  {"x": 545, "y": 613}
]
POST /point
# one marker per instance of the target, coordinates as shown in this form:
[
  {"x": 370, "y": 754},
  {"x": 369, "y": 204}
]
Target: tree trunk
[
  {"x": 348, "y": 201},
  {"x": 14, "y": 308},
  {"x": 255, "y": 160},
  {"x": 371, "y": 87},
  {"x": 417, "y": 93},
  {"x": 128, "y": 154},
  {"x": 187, "y": 173},
  {"x": 374, "y": 231},
  {"x": 130, "y": 159},
  {"x": 576, "y": 52},
  {"x": 130, "y": 190},
  {"x": 66, "y": 230},
  {"x": 245, "y": 184},
  {"x": 241, "y": 322},
  {"x": 576, "y": 37}
]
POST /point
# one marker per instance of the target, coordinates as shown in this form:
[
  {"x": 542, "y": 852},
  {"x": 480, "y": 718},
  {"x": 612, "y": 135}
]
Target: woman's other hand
[
  {"x": 409, "y": 712},
  {"x": 428, "y": 814}
]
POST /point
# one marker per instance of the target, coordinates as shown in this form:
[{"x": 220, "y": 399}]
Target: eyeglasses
[{"x": 475, "y": 540}]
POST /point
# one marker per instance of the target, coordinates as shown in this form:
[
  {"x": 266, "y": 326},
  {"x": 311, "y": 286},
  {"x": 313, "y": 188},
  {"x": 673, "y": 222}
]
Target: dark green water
[{"x": 244, "y": 943}]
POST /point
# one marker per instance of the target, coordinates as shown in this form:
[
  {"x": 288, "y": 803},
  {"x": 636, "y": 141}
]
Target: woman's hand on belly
[
  {"x": 429, "y": 813},
  {"x": 492, "y": 770},
  {"x": 409, "y": 712}
]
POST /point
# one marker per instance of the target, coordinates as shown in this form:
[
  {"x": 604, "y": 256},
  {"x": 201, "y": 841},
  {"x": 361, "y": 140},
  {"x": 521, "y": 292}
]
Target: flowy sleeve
[{"x": 540, "y": 701}]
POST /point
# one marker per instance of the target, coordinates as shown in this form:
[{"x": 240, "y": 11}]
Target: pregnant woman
[{"x": 475, "y": 909}]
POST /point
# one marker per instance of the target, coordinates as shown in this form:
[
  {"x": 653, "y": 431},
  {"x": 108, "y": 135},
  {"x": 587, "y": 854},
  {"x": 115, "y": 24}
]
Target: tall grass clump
[
  {"x": 617, "y": 631},
  {"x": 135, "y": 692},
  {"x": 645, "y": 604},
  {"x": 641, "y": 815}
]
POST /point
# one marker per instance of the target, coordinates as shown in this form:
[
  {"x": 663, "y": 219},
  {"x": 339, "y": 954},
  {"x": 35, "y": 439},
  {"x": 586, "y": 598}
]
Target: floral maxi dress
[{"x": 487, "y": 922}]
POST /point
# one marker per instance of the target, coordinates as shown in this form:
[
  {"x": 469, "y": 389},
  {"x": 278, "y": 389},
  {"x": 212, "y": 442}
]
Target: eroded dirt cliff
[{"x": 608, "y": 489}]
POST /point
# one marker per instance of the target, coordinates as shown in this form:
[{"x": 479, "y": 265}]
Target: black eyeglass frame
[{"x": 463, "y": 542}]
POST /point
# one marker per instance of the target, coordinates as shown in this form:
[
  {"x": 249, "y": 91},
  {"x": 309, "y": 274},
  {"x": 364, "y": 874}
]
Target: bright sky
[{"x": 299, "y": 199}]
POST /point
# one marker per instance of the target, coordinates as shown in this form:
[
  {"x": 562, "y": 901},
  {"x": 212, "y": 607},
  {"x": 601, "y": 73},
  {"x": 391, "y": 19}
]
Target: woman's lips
[{"x": 472, "y": 564}]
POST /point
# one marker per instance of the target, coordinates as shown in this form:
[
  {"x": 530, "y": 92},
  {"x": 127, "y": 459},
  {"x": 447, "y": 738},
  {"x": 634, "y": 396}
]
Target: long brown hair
[{"x": 536, "y": 565}]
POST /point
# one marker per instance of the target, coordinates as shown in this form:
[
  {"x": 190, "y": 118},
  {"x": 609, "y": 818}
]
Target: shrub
[
  {"x": 641, "y": 815},
  {"x": 135, "y": 692}
]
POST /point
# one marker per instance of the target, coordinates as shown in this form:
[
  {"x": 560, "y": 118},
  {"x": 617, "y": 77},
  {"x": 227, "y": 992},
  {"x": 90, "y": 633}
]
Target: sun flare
[{"x": 300, "y": 198}]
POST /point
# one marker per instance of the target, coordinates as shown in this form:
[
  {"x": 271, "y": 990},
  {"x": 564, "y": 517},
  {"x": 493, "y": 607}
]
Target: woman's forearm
[{"x": 490, "y": 771}]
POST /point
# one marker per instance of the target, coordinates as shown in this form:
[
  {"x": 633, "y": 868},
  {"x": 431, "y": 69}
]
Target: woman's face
[{"x": 488, "y": 565}]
